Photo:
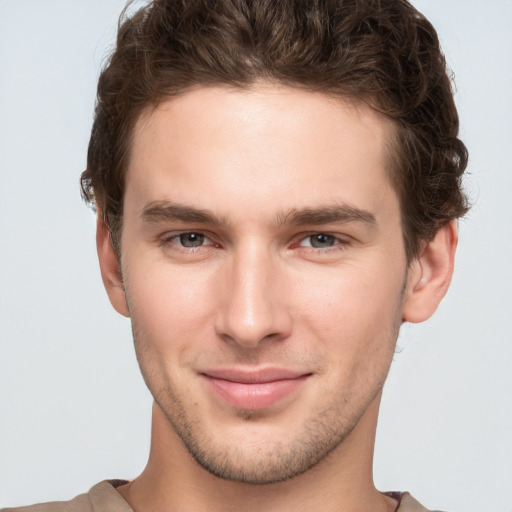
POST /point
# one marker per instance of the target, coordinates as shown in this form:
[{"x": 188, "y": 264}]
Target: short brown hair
[{"x": 384, "y": 53}]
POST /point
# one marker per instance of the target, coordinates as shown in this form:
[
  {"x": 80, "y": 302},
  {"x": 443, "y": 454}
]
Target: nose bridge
[{"x": 252, "y": 308}]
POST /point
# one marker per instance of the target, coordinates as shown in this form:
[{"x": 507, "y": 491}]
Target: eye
[
  {"x": 320, "y": 241},
  {"x": 186, "y": 240},
  {"x": 190, "y": 240}
]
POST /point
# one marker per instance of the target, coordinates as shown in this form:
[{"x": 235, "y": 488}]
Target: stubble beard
[
  {"x": 269, "y": 464},
  {"x": 273, "y": 461}
]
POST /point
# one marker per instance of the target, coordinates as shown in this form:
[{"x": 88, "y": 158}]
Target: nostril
[{"x": 254, "y": 334}]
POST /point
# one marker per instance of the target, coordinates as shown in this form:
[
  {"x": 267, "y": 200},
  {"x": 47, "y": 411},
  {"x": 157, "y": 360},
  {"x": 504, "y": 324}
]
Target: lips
[{"x": 254, "y": 389}]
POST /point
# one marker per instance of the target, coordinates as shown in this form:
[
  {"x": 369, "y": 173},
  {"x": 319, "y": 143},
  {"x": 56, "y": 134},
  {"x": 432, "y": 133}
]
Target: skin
[{"x": 261, "y": 231}]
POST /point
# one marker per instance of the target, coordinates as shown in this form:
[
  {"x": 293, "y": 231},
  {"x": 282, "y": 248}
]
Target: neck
[{"x": 173, "y": 480}]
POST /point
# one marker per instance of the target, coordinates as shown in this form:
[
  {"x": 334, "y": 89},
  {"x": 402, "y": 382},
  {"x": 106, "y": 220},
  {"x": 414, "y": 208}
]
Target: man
[{"x": 277, "y": 186}]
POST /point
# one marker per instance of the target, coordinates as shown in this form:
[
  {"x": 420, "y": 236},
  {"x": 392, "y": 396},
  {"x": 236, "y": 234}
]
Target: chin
[{"x": 255, "y": 451}]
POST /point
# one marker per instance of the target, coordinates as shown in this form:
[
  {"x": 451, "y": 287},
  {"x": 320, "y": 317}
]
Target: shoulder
[
  {"x": 101, "y": 498},
  {"x": 81, "y": 503},
  {"x": 409, "y": 504}
]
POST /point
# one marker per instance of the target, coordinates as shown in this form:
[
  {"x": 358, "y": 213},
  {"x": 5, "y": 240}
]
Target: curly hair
[{"x": 384, "y": 53}]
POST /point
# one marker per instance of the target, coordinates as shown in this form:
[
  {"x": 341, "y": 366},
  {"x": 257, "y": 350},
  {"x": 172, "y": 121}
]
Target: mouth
[{"x": 255, "y": 389}]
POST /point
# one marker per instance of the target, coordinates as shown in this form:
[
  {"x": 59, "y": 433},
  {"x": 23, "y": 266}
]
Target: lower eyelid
[
  {"x": 173, "y": 239},
  {"x": 336, "y": 240}
]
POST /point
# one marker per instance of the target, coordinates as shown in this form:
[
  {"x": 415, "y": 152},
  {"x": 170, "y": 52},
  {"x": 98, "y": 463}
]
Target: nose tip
[
  {"x": 250, "y": 328},
  {"x": 249, "y": 336},
  {"x": 253, "y": 306}
]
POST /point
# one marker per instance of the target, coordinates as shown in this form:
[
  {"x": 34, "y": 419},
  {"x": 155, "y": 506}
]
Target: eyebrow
[
  {"x": 165, "y": 211},
  {"x": 161, "y": 211},
  {"x": 327, "y": 215}
]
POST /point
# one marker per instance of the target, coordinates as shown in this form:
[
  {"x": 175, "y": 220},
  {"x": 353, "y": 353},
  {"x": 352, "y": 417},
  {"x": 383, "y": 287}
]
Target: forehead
[{"x": 275, "y": 146}]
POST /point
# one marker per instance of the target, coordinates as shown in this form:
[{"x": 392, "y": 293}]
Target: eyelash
[
  {"x": 169, "y": 239},
  {"x": 338, "y": 242}
]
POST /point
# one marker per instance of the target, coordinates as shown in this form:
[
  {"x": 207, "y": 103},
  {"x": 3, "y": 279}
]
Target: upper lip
[{"x": 254, "y": 376}]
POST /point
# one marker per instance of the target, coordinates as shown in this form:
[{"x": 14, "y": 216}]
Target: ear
[
  {"x": 110, "y": 269},
  {"x": 430, "y": 275}
]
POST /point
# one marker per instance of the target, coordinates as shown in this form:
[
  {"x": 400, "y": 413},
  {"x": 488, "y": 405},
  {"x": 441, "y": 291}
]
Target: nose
[{"x": 253, "y": 306}]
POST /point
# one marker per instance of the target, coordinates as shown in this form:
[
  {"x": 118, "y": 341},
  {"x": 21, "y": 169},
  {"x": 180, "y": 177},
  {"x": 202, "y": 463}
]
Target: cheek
[
  {"x": 354, "y": 322},
  {"x": 349, "y": 309},
  {"x": 169, "y": 306}
]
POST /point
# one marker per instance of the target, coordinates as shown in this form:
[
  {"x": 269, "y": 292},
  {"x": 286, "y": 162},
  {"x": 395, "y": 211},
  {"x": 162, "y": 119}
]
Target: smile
[{"x": 254, "y": 390}]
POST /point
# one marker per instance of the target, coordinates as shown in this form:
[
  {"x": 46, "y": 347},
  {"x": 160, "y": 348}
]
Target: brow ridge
[{"x": 162, "y": 211}]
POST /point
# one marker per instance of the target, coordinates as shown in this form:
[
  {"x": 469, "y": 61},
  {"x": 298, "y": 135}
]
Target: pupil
[
  {"x": 322, "y": 240},
  {"x": 191, "y": 239}
]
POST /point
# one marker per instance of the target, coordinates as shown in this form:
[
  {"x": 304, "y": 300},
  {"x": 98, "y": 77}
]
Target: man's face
[{"x": 264, "y": 270}]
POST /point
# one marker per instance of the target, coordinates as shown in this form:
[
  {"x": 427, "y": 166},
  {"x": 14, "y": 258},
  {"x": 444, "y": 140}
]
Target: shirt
[{"x": 103, "y": 497}]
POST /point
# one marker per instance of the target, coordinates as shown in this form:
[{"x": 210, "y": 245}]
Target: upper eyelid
[
  {"x": 171, "y": 236},
  {"x": 337, "y": 245},
  {"x": 177, "y": 233},
  {"x": 338, "y": 236}
]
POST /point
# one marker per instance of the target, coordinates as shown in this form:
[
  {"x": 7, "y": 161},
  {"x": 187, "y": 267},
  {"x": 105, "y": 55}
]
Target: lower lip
[{"x": 254, "y": 396}]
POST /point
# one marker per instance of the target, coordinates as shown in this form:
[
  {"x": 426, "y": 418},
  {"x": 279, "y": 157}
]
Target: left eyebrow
[{"x": 327, "y": 215}]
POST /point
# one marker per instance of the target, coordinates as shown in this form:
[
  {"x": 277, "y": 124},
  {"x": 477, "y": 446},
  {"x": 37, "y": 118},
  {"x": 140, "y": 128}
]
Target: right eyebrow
[{"x": 162, "y": 211}]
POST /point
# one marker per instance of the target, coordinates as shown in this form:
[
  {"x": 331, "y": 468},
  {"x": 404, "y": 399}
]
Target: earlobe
[
  {"x": 430, "y": 275},
  {"x": 110, "y": 269}
]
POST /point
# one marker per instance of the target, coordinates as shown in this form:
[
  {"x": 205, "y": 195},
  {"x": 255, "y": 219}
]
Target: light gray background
[{"x": 73, "y": 409}]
